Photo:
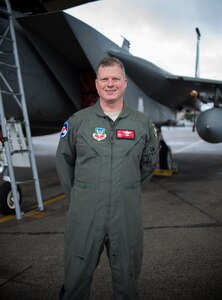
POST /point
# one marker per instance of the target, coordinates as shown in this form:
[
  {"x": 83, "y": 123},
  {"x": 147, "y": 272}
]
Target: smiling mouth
[{"x": 110, "y": 91}]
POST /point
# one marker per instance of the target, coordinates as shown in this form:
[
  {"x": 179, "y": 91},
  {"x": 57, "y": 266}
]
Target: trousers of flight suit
[{"x": 79, "y": 272}]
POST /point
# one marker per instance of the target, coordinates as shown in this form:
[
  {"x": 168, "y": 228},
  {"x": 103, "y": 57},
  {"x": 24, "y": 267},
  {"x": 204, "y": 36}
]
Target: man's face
[{"x": 110, "y": 83}]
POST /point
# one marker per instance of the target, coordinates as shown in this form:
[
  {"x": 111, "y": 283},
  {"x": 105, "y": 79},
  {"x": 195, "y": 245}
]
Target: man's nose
[{"x": 110, "y": 82}]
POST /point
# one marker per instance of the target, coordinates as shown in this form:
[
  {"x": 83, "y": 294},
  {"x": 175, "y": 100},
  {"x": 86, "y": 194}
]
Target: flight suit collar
[{"x": 124, "y": 113}]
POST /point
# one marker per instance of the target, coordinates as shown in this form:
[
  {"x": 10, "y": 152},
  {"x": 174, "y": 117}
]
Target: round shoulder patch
[{"x": 64, "y": 130}]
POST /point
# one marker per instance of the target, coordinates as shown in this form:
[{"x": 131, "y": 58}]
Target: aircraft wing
[
  {"x": 205, "y": 88},
  {"x": 43, "y": 6},
  {"x": 178, "y": 92},
  {"x": 170, "y": 90},
  {"x": 56, "y": 5}
]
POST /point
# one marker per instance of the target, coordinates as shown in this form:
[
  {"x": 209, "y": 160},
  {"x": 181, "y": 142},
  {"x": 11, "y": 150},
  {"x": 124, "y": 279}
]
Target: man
[{"x": 104, "y": 153}]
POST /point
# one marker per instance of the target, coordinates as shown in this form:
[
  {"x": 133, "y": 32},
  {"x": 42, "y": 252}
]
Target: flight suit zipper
[{"x": 112, "y": 126}]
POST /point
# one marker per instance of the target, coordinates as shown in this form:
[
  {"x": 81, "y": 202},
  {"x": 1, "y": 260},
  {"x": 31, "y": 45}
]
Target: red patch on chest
[{"x": 125, "y": 134}]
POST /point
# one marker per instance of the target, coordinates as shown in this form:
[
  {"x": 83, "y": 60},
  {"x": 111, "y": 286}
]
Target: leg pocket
[
  {"x": 136, "y": 259},
  {"x": 79, "y": 234}
]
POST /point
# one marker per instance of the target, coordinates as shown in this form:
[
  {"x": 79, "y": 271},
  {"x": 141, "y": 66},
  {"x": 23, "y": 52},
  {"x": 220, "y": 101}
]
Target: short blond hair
[{"x": 111, "y": 61}]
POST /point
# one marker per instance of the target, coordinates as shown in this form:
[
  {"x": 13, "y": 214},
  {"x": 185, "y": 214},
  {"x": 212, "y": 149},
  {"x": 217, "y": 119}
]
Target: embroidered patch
[
  {"x": 64, "y": 130},
  {"x": 125, "y": 134},
  {"x": 99, "y": 134}
]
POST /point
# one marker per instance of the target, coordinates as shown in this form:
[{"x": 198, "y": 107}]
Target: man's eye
[{"x": 113, "y": 79}]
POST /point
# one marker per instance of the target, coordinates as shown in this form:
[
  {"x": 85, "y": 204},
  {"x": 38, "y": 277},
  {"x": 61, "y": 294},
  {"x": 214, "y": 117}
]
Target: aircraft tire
[
  {"x": 7, "y": 205},
  {"x": 166, "y": 157}
]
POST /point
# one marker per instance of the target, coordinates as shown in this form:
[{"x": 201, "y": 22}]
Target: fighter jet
[{"x": 58, "y": 58}]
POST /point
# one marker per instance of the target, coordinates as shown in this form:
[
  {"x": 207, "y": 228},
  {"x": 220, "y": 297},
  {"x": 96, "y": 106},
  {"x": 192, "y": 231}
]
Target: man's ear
[{"x": 96, "y": 82}]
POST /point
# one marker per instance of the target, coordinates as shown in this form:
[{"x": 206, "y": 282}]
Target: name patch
[{"x": 125, "y": 134}]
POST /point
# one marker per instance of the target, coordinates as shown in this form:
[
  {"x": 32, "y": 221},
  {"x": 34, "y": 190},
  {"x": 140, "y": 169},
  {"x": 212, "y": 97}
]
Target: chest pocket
[
  {"x": 130, "y": 148},
  {"x": 84, "y": 149},
  {"x": 87, "y": 160},
  {"x": 130, "y": 161}
]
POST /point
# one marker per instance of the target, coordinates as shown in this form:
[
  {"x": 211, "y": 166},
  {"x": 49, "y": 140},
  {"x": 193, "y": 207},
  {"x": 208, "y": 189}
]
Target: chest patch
[
  {"x": 99, "y": 134},
  {"x": 125, "y": 134}
]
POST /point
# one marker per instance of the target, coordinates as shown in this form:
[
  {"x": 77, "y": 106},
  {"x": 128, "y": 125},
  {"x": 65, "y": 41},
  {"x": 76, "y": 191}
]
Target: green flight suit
[{"x": 101, "y": 164}]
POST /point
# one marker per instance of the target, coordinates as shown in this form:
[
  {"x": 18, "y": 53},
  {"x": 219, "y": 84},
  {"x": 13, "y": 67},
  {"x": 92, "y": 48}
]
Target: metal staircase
[{"x": 14, "y": 93}]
